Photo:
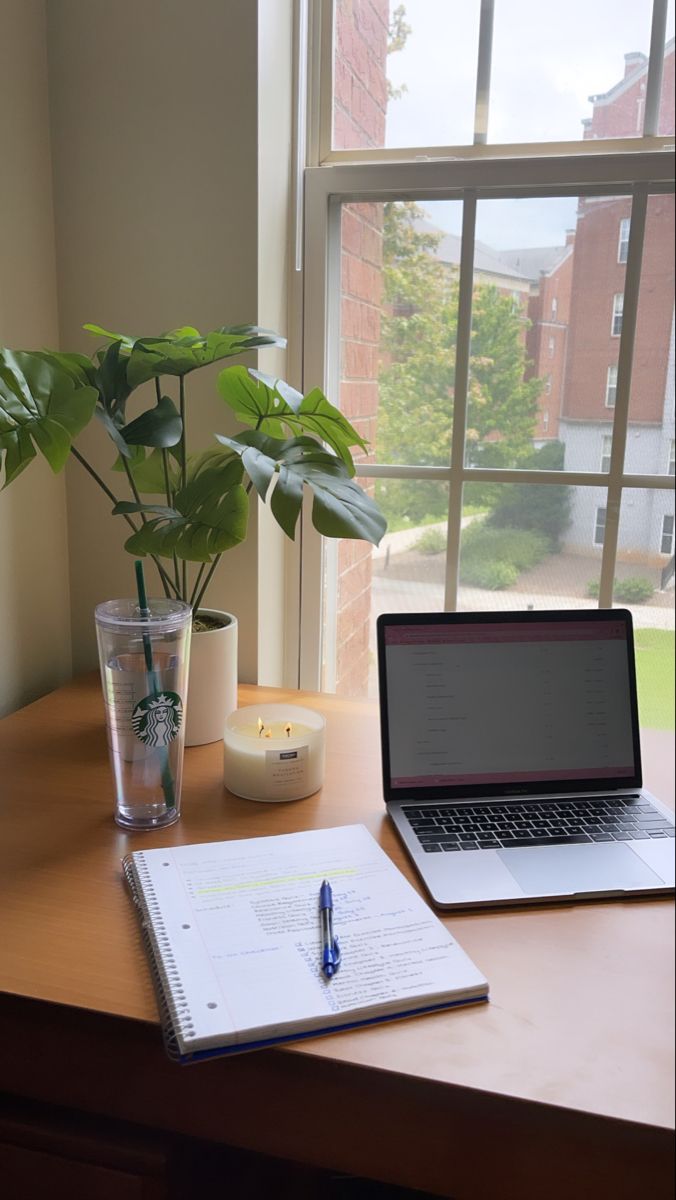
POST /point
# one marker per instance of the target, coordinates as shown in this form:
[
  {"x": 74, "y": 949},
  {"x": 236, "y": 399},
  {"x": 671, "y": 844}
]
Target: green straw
[{"x": 167, "y": 777}]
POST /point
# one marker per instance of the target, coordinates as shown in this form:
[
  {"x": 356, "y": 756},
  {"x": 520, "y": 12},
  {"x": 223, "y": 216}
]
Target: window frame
[
  {"x": 600, "y": 524},
  {"x": 669, "y": 534},
  {"x": 635, "y": 167},
  {"x": 606, "y": 451}
]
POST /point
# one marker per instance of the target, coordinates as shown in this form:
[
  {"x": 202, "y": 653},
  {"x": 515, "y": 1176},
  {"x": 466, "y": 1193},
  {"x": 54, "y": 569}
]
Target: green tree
[
  {"x": 419, "y": 330},
  {"x": 529, "y": 506}
]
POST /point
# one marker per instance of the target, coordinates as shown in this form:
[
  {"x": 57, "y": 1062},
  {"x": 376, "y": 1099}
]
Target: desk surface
[{"x": 575, "y": 1046}]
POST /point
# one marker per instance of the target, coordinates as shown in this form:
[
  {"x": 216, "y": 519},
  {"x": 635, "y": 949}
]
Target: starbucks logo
[{"x": 157, "y": 719}]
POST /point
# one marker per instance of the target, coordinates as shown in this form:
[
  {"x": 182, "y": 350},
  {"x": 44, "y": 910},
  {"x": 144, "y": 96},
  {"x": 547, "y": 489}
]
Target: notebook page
[{"x": 241, "y": 919}]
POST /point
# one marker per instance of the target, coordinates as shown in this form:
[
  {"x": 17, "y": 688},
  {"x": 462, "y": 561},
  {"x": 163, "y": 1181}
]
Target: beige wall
[
  {"x": 155, "y": 138},
  {"x": 170, "y": 133},
  {"x": 34, "y": 600}
]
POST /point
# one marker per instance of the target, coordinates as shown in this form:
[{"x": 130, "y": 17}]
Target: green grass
[{"x": 655, "y": 671}]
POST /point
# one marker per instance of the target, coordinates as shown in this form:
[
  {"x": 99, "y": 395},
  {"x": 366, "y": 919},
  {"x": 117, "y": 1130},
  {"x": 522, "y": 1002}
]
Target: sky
[{"x": 548, "y": 58}]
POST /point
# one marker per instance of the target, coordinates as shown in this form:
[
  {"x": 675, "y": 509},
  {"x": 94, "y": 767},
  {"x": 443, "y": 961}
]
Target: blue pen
[{"x": 330, "y": 947}]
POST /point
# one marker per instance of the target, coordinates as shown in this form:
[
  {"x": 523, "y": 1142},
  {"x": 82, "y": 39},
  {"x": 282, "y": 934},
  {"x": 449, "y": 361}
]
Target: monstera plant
[{"x": 186, "y": 505}]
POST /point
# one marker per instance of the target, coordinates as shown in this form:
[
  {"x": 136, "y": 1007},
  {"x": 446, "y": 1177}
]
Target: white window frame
[
  {"x": 671, "y": 465},
  {"x": 667, "y": 535},
  {"x": 618, "y": 314},
  {"x": 611, "y": 385},
  {"x": 623, "y": 240},
  {"x": 468, "y": 173}
]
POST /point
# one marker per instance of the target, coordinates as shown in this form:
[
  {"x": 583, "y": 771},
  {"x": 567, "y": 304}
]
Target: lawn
[{"x": 655, "y": 671}]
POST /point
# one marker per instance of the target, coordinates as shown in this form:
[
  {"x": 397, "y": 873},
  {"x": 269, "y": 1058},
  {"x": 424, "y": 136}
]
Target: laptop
[{"x": 511, "y": 757}]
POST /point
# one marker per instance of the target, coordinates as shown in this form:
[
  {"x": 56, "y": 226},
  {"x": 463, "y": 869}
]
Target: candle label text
[{"x": 285, "y": 767}]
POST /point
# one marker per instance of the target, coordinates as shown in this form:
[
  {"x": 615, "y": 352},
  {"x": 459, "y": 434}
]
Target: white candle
[{"x": 273, "y": 752}]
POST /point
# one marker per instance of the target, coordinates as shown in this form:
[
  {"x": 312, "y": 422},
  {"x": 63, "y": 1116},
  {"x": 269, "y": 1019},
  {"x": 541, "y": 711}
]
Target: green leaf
[
  {"x": 264, "y": 402},
  {"x": 340, "y": 507},
  {"x": 113, "y": 431},
  {"x": 160, "y": 426},
  {"x": 148, "y": 470},
  {"x": 184, "y": 349},
  {"x": 42, "y": 405},
  {"x": 206, "y": 521}
]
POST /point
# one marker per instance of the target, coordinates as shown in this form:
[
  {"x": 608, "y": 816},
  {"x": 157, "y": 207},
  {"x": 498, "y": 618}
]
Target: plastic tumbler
[{"x": 144, "y": 656}]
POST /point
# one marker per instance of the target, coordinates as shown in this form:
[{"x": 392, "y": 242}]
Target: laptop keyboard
[{"x": 501, "y": 825}]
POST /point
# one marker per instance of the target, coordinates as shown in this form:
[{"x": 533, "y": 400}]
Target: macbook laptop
[{"x": 511, "y": 757}]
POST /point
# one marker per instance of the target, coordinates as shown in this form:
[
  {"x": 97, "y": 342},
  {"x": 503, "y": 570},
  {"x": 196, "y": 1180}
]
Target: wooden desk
[{"x": 561, "y": 1087}]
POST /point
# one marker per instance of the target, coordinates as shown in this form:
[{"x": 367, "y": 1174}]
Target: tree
[
  {"x": 419, "y": 330},
  {"x": 529, "y": 506}
]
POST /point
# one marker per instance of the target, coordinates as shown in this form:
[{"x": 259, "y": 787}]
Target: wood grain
[{"x": 578, "y": 1033}]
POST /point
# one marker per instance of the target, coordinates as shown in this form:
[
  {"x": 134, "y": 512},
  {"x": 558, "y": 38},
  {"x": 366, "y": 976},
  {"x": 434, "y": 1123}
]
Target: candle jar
[{"x": 273, "y": 752}]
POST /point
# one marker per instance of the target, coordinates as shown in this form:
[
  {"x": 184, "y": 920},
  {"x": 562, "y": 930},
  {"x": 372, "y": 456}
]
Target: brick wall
[{"x": 359, "y": 121}]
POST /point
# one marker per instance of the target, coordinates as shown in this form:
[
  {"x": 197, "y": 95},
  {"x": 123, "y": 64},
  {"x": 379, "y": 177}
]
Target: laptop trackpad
[{"x": 557, "y": 870}]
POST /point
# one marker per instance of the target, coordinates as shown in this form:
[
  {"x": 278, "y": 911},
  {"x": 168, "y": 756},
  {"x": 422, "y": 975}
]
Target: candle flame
[
  {"x": 288, "y": 729},
  {"x": 261, "y": 727},
  {"x": 268, "y": 733}
]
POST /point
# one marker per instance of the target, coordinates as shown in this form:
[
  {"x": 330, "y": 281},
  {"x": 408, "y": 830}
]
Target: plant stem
[
  {"x": 83, "y": 461},
  {"x": 197, "y": 584},
  {"x": 166, "y": 581},
  {"x": 170, "y": 502},
  {"x": 212, "y": 568},
  {"x": 184, "y": 468}
]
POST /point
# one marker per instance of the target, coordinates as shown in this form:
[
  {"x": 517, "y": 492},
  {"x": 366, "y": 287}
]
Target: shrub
[
  {"x": 522, "y": 548},
  {"x": 635, "y": 590},
  {"x": 432, "y": 541},
  {"x": 491, "y": 575}
]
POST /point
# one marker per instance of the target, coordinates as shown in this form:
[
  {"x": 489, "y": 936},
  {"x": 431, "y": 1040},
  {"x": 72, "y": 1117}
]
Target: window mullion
[
  {"x": 655, "y": 68},
  {"x": 483, "y": 73},
  {"x": 623, "y": 393},
  {"x": 460, "y": 394}
]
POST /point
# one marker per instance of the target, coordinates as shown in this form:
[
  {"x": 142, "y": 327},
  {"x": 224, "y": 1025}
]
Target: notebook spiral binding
[{"x": 167, "y": 984}]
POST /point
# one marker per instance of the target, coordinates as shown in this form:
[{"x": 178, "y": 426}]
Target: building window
[
  {"x": 545, "y": 421},
  {"x": 623, "y": 242},
  {"x": 551, "y": 346},
  {"x": 548, "y": 388},
  {"x": 671, "y": 469},
  {"x": 611, "y": 385},
  {"x": 555, "y": 308},
  {"x": 606, "y": 447},
  {"x": 599, "y": 526},
  {"x": 618, "y": 305},
  {"x": 667, "y": 543}
]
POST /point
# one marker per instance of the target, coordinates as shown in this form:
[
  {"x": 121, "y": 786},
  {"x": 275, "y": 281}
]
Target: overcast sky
[{"x": 549, "y": 56}]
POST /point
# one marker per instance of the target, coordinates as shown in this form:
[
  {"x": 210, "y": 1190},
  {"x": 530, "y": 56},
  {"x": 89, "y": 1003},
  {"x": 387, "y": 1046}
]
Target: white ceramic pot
[{"x": 212, "y": 680}]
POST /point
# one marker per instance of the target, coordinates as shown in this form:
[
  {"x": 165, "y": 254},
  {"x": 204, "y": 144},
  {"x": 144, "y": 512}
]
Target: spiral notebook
[{"x": 232, "y": 930}]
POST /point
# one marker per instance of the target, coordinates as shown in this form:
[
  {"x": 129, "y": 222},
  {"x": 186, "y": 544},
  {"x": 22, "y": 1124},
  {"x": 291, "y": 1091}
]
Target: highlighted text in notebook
[{"x": 330, "y": 946}]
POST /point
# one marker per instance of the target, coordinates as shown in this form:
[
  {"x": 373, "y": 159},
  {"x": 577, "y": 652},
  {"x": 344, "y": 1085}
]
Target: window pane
[
  {"x": 551, "y": 60},
  {"x": 404, "y": 574},
  {"x": 398, "y": 315},
  {"x": 543, "y": 368},
  {"x": 393, "y": 86},
  {"x": 651, "y": 407},
  {"x": 531, "y": 545},
  {"x": 644, "y": 583}
]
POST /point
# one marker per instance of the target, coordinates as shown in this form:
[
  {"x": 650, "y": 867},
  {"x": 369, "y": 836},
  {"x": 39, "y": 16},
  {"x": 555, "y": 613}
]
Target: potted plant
[{"x": 186, "y": 506}]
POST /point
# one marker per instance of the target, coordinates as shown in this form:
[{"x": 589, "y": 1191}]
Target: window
[
  {"x": 618, "y": 308},
  {"x": 599, "y": 526},
  {"x": 606, "y": 447},
  {"x": 667, "y": 541},
  {"x": 623, "y": 243},
  {"x": 671, "y": 469},
  {"x": 428, "y": 317},
  {"x": 611, "y": 385}
]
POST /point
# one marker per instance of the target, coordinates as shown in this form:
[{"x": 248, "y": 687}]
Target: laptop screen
[{"x": 509, "y": 702}]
